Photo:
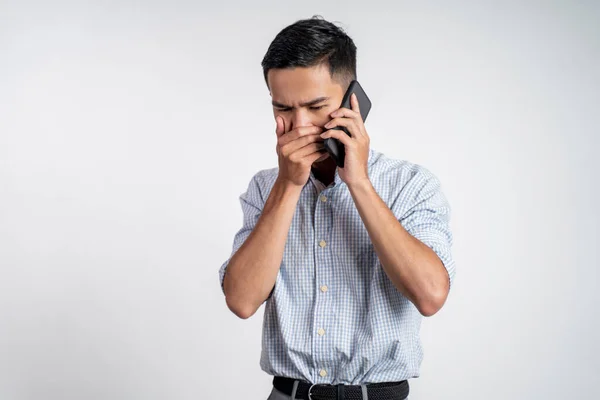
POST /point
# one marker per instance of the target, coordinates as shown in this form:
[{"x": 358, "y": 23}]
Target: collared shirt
[{"x": 334, "y": 316}]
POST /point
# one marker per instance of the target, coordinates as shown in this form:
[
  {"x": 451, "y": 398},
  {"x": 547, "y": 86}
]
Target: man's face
[{"x": 304, "y": 96}]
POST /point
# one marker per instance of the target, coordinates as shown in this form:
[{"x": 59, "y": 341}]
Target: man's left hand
[{"x": 356, "y": 145}]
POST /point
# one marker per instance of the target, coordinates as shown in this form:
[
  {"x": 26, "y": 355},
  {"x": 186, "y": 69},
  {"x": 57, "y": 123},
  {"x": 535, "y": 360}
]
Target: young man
[{"x": 348, "y": 260}]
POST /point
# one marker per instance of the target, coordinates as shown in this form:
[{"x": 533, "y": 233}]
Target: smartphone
[{"x": 334, "y": 147}]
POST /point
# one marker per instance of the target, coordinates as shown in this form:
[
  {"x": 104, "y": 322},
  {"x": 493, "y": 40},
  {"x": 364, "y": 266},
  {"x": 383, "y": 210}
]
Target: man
[{"x": 348, "y": 260}]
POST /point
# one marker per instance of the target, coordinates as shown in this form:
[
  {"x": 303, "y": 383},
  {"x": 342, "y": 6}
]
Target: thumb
[{"x": 280, "y": 126}]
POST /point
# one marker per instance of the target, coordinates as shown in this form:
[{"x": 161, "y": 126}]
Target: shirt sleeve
[
  {"x": 252, "y": 204},
  {"x": 425, "y": 213}
]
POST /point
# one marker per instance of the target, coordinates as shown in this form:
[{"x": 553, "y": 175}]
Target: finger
[
  {"x": 354, "y": 103},
  {"x": 315, "y": 156},
  {"x": 280, "y": 129},
  {"x": 347, "y": 123},
  {"x": 340, "y": 135},
  {"x": 307, "y": 150},
  {"x": 312, "y": 157},
  {"x": 346, "y": 113},
  {"x": 299, "y": 132},
  {"x": 299, "y": 143}
]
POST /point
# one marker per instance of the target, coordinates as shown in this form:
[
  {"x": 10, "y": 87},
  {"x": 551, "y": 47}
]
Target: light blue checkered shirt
[{"x": 334, "y": 316}]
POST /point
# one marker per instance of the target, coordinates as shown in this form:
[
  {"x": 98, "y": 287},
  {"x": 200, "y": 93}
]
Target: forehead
[{"x": 289, "y": 85}]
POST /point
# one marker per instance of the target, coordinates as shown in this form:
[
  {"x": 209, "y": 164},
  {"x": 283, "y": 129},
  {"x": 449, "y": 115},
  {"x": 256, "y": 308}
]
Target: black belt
[{"x": 375, "y": 391}]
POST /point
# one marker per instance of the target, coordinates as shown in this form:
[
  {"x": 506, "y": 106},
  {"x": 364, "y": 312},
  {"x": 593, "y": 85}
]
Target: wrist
[
  {"x": 287, "y": 186},
  {"x": 360, "y": 185}
]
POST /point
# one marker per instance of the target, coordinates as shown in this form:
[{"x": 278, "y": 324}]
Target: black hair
[{"x": 311, "y": 42}]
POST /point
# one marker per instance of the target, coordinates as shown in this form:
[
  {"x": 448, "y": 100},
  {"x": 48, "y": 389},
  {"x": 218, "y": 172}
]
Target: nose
[{"x": 300, "y": 117}]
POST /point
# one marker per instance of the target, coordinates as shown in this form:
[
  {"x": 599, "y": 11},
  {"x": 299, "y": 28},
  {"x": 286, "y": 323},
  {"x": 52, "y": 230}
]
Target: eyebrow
[{"x": 306, "y": 104}]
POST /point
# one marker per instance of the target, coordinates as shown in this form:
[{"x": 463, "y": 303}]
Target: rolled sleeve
[
  {"x": 426, "y": 216},
  {"x": 252, "y": 204}
]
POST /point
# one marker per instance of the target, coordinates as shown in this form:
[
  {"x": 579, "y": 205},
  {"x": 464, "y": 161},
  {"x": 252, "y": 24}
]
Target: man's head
[{"x": 307, "y": 68}]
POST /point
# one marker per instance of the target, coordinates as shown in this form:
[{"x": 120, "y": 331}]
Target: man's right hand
[{"x": 297, "y": 150}]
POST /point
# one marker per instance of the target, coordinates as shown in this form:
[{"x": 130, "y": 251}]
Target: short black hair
[{"x": 311, "y": 42}]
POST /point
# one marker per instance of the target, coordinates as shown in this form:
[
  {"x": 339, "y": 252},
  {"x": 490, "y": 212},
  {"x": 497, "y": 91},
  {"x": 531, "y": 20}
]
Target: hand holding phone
[{"x": 334, "y": 147}]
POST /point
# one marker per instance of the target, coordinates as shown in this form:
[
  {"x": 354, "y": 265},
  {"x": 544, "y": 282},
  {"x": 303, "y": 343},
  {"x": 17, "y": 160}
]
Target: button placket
[{"x": 323, "y": 279}]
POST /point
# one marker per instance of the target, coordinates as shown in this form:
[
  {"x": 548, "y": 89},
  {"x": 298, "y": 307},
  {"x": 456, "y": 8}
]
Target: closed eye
[{"x": 312, "y": 108}]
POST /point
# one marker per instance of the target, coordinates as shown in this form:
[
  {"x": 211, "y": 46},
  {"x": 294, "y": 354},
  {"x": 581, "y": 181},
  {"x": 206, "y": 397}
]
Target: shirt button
[
  {"x": 323, "y": 373},
  {"x": 321, "y": 331},
  {"x": 323, "y": 199},
  {"x": 322, "y": 243},
  {"x": 324, "y": 288}
]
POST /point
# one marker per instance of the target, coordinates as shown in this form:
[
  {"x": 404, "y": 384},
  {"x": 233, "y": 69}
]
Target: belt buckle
[{"x": 316, "y": 384}]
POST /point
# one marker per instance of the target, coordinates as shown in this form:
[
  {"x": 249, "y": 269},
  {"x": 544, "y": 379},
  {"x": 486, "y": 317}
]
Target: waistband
[{"x": 371, "y": 391}]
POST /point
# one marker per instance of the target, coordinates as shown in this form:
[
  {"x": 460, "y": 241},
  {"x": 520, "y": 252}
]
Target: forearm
[
  {"x": 252, "y": 270},
  {"x": 413, "y": 267}
]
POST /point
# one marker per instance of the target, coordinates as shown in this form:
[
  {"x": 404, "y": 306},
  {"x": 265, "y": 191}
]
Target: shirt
[{"x": 334, "y": 316}]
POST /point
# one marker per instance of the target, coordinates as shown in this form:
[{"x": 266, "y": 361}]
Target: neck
[{"x": 325, "y": 171}]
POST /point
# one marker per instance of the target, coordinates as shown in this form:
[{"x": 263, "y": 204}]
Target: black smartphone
[{"x": 334, "y": 147}]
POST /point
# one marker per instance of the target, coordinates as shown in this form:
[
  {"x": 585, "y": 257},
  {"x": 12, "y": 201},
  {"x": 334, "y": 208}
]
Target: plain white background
[{"x": 128, "y": 130}]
